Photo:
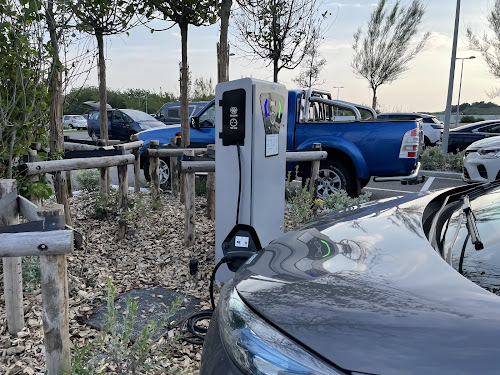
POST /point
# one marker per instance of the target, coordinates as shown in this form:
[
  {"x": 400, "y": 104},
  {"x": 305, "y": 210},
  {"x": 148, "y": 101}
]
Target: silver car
[{"x": 74, "y": 121}]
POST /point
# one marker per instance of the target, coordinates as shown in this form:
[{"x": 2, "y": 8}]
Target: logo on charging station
[{"x": 233, "y": 123}]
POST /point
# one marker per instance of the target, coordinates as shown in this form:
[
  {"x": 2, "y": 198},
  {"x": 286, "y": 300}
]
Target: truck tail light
[{"x": 410, "y": 144}]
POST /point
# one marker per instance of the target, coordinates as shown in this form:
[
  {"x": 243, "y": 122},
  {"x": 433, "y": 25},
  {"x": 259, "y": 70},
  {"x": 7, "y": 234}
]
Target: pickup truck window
[{"x": 207, "y": 118}]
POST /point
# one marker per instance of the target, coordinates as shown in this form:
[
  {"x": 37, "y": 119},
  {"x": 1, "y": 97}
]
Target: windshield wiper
[{"x": 471, "y": 223}]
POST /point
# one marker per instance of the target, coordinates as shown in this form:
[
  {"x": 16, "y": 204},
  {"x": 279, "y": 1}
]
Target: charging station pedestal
[{"x": 250, "y": 163}]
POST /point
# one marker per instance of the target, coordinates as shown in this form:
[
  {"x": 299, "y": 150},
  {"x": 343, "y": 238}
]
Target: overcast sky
[{"x": 151, "y": 61}]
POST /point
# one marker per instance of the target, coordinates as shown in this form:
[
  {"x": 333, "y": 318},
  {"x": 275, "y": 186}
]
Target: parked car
[
  {"x": 433, "y": 128},
  {"x": 170, "y": 113},
  {"x": 357, "y": 150},
  {"x": 74, "y": 121},
  {"x": 391, "y": 287},
  {"x": 122, "y": 123},
  {"x": 463, "y": 136},
  {"x": 481, "y": 161}
]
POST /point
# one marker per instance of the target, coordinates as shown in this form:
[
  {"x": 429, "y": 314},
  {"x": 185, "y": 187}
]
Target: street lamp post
[
  {"x": 338, "y": 90},
  {"x": 460, "y": 85}
]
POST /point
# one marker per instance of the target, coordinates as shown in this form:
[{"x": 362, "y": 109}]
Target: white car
[
  {"x": 433, "y": 128},
  {"x": 75, "y": 121},
  {"x": 481, "y": 162}
]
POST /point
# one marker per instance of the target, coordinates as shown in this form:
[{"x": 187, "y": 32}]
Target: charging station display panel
[
  {"x": 233, "y": 117},
  {"x": 272, "y": 105}
]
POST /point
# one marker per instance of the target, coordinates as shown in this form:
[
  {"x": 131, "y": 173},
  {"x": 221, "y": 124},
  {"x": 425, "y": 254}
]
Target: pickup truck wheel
[
  {"x": 164, "y": 170},
  {"x": 130, "y": 136},
  {"x": 334, "y": 176}
]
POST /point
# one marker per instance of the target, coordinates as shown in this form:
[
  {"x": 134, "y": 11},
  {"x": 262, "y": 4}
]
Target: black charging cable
[
  {"x": 191, "y": 330},
  {"x": 239, "y": 184}
]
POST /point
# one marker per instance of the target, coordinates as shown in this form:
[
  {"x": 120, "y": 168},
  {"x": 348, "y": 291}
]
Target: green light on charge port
[
  {"x": 328, "y": 247},
  {"x": 279, "y": 112}
]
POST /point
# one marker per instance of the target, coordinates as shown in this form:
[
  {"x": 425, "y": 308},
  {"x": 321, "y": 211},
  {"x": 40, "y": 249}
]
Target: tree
[
  {"x": 184, "y": 13},
  {"x": 223, "y": 45},
  {"x": 102, "y": 18},
  {"x": 202, "y": 90},
  {"x": 382, "y": 51},
  {"x": 489, "y": 44},
  {"x": 278, "y": 31},
  {"x": 312, "y": 64},
  {"x": 23, "y": 78}
]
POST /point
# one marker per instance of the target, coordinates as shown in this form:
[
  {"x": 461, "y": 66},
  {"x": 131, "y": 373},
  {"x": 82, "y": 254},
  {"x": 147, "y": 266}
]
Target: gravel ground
[{"x": 151, "y": 254}]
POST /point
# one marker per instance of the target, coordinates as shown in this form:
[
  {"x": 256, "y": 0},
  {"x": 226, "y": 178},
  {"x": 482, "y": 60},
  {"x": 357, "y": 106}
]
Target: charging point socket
[
  {"x": 233, "y": 117},
  {"x": 243, "y": 240}
]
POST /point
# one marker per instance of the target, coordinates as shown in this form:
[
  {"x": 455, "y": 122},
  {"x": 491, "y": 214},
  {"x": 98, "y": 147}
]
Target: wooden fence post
[
  {"x": 12, "y": 269},
  {"x": 103, "y": 186},
  {"x": 313, "y": 182},
  {"x": 174, "y": 173},
  {"x": 123, "y": 188},
  {"x": 55, "y": 318},
  {"x": 137, "y": 170},
  {"x": 211, "y": 186},
  {"x": 154, "y": 172},
  {"x": 69, "y": 184},
  {"x": 189, "y": 208}
]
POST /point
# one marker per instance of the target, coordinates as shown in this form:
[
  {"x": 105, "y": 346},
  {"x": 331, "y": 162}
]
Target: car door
[
  {"x": 205, "y": 134},
  {"x": 119, "y": 125}
]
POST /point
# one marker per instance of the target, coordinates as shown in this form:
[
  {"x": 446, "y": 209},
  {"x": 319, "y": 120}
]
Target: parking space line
[
  {"x": 395, "y": 191},
  {"x": 427, "y": 184}
]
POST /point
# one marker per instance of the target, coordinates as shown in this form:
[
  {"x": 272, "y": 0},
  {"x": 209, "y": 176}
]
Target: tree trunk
[
  {"x": 374, "y": 100},
  {"x": 223, "y": 47},
  {"x": 103, "y": 97},
  {"x": 185, "y": 139}
]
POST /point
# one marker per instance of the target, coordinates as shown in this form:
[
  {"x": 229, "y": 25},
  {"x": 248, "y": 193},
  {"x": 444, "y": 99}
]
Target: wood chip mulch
[{"x": 151, "y": 254}]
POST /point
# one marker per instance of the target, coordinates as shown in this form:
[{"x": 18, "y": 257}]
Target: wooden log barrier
[
  {"x": 123, "y": 189},
  {"x": 189, "y": 212},
  {"x": 154, "y": 170},
  {"x": 12, "y": 270},
  {"x": 211, "y": 186},
  {"x": 313, "y": 182},
  {"x": 137, "y": 170},
  {"x": 55, "y": 317},
  {"x": 174, "y": 172},
  {"x": 104, "y": 174}
]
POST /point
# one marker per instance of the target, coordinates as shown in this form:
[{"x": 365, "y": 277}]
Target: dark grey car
[{"x": 404, "y": 286}]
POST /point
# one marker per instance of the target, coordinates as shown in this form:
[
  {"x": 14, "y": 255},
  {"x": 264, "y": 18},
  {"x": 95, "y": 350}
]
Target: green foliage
[
  {"x": 468, "y": 119},
  {"x": 117, "y": 347},
  {"x": 131, "y": 98},
  {"x": 24, "y": 60},
  {"x": 383, "y": 49},
  {"x": 39, "y": 189},
  {"x": 31, "y": 272},
  {"x": 88, "y": 179},
  {"x": 200, "y": 185},
  {"x": 433, "y": 159},
  {"x": 341, "y": 200},
  {"x": 202, "y": 90}
]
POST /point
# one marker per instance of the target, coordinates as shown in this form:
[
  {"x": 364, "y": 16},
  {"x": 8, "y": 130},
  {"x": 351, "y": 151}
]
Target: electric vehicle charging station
[{"x": 250, "y": 166}]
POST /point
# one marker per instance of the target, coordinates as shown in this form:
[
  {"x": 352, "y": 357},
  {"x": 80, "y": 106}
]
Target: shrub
[
  {"x": 467, "y": 119},
  {"x": 88, "y": 179},
  {"x": 433, "y": 158},
  {"x": 117, "y": 348},
  {"x": 31, "y": 272},
  {"x": 200, "y": 185},
  {"x": 341, "y": 200}
]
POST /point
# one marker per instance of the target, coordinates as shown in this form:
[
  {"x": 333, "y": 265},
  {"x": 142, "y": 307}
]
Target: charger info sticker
[
  {"x": 241, "y": 241},
  {"x": 272, "y": 144}
]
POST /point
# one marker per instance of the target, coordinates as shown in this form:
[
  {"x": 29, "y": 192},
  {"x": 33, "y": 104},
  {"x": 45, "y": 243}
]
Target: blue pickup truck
[{"x": 357, "y": 149}]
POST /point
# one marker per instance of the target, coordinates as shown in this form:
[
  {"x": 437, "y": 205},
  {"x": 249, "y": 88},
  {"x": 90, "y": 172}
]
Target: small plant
[
  {"x": 31, "y": 272},
  {"x": 88, "y": 179},
  {"x": 104, "y": 208},
  {"x": 117, "y": 348},
  {"x": 200, "y": 185},
  {"x": 39, "y": 189},
  {"x": 433, "y": 158},
  {"x": 341, "y": 200}
]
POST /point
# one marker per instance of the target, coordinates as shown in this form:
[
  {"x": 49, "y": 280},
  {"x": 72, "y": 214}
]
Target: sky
[{"x": 151, "y": 60}]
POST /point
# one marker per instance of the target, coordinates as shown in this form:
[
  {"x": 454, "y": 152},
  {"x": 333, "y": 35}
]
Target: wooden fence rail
[{"x": 51, "y": 242}]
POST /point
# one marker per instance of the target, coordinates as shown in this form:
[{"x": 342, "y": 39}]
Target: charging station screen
[{"x": 272, "y": 115}]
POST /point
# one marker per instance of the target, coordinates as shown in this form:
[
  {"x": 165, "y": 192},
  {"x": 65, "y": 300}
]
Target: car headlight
[
  {"x": 258, "y": 348},
  {"x": 489, "y": 152},
  {"x": 144, "y": 127}
]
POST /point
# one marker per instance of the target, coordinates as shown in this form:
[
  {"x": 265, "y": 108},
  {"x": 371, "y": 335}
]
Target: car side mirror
[{"x": 195, "y": 122}]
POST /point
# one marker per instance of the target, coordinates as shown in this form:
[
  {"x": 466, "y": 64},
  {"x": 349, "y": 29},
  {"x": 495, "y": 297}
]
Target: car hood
[
  {"x": 486, "y": 142},
  {"x": 368, "y": 293}
]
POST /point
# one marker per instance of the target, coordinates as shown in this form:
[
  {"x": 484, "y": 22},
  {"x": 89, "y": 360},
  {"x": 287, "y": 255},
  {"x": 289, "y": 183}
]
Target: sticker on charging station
[
  {"x": 241, "y": 241},
  {"x": 272, "y": 114},
  {"x": 272, "y": 144}
]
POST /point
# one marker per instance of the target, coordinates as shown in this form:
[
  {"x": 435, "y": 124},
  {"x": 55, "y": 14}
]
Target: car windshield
[
  {"x": 138, "y": 116},
  {"x": 478, "y": 262},
  {"x": 79, "y": 117}
]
